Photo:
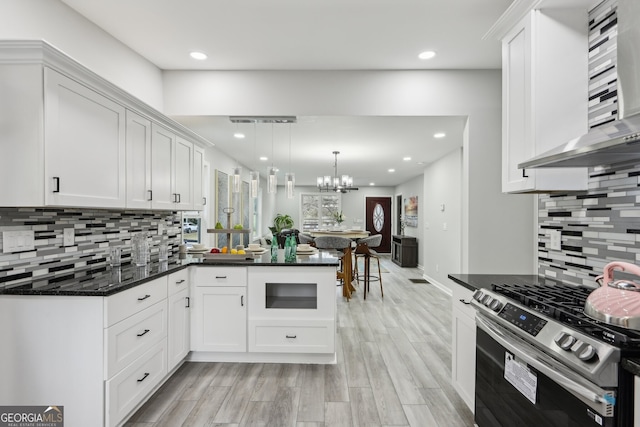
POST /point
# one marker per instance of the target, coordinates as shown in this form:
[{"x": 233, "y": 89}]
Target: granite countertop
[
  {"x": 105, "y": 280},
  {"x": 484, "y": 281}
]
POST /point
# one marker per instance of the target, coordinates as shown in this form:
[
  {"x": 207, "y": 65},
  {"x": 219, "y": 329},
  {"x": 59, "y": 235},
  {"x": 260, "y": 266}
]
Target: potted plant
[{"x": 280, "y": 222}]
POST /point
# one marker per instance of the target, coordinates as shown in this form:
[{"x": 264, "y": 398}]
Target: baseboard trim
[{"x": 438, "y": 285}]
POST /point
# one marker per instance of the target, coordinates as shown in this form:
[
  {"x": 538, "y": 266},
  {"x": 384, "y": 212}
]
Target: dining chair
[{"x": 364, "y": 251}]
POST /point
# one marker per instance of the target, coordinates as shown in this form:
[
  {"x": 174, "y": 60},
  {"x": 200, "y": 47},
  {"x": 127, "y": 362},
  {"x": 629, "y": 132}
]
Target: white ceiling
[{"x": 314, "y": 35}]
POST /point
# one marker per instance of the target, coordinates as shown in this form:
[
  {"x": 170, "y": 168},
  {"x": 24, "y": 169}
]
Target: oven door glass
[{"x": 498, "y": 403}]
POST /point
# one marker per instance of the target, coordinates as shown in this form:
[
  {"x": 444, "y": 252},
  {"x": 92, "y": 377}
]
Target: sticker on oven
[{"x": 521, "y": 377}]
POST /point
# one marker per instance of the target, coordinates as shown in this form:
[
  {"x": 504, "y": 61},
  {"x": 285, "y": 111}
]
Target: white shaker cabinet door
[
  {"x": 183, "y": 174},
  {"x": 179, "y": 327},
  {"x": 199, "y": 198},
  {"x": 162, "y": 141},
  {"x": 84, "y": 145},
  {"x": 219, "y": 319},
  {"x": 139, "y": 192}
]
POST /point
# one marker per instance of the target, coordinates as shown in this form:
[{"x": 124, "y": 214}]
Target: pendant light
[
  {"x": 289, "y": 177},
  {"x": 237, "y": 179},
  {"x": 272, "y": 181},
  {"x": 254, "y": 175}
]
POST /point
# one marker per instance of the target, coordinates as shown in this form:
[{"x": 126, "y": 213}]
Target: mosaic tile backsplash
[
  {"x": 94, "y": 232},
  {"x": 597, "y": 226}
]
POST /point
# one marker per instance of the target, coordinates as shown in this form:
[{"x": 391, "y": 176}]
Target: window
[
  {"x": 191, "y": 227},
  {"x": 318, "y": 211}
]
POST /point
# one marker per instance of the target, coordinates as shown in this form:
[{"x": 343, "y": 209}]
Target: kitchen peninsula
[{"x": 100, "y": 341}]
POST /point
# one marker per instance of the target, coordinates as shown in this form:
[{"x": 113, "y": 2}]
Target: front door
[{"x": 378, "y": 220}]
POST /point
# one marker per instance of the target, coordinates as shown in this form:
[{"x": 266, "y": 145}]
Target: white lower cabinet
[
  {"x": 463, "y": 345},
  {"x": 292, "y": 312},
  {"x": 179, "y": 324},
  {"x": 219, "y": 322}
]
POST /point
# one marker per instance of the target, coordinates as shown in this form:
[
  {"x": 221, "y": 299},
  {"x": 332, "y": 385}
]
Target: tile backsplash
[
  {"x": 95, "y": 230},
  {"x": 598, "y": 226}
]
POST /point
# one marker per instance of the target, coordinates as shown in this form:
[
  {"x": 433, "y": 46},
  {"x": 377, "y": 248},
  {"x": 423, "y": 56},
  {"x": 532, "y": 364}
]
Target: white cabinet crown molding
[
  {"x": 520, "y": 8},
  {"x": 41, "y": 52}
]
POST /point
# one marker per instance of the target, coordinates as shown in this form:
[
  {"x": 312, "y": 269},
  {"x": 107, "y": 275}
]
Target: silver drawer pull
[
  {"x": 144, "y": 297},
  {"x": 221, "y": 277},
  {"x": 291, "y": 336},
  {"x": 146, "y": 331},
  {"x": 180, "y": 282},
  {"x": 146, "y": 374}
]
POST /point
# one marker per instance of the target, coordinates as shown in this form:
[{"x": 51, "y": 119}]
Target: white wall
[
  {"x": 491, "y": 221},
  {"x": 70, "y": 32},
  {"x": 442, "y": 188}
]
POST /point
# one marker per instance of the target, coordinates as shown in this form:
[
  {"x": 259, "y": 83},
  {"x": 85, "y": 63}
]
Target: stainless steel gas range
[{"x": 540, "y": 361}]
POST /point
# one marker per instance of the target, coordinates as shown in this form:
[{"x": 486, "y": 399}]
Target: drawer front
[
  {"x": 129, "y": 339},
  {"x": 291, "y": 337},
  {"x": 124, "y": 304},
  {"x": 178, "y": 281},
  {"x": 134, "y": 383},
  {"x": 220, "y": 276}
]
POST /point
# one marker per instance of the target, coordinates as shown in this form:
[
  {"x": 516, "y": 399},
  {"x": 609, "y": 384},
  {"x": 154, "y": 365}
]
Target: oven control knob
[
  {"x": 477, "y": 295},
  {"x": 487, "y": 300},
  {"x": 495, "y": 305},
  {"x": 587, "y": 353},
  {"x": 559, "y": 337},
  {"x": 567, "y": 342}
]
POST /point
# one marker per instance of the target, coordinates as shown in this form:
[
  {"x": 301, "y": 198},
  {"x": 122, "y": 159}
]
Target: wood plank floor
[{"x": 394, "y": 369}]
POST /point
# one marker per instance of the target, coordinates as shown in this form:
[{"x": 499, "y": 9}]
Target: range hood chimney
[{"x": 618, "y": 141}]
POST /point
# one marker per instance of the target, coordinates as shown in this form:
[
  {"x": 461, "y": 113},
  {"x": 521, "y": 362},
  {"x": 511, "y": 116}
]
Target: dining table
[{"x": 350, "y": 234}]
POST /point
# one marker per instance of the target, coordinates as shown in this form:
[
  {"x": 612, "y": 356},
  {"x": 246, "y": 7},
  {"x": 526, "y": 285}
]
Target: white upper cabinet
[
  {"x": 183, "y": 174},
  {"x": 70, "y": 138},
  {"x": 172, "y": 170},
  {"x": 199, "y": 197},
  {"x": 84, "y": 145},
  {"x": 544, "y": 96},
  {"x": 139, "y": 193}
]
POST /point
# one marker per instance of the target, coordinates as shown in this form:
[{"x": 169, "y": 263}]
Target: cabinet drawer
[
  {"x": 178, "y": 281},
  {"x": 129, "y": 339},
  {"x": 127, "y": 303},
  {"x": 220, "y": 276},
  {"x": 291, "y": 336},
  {"x": 127, "y": 389}
]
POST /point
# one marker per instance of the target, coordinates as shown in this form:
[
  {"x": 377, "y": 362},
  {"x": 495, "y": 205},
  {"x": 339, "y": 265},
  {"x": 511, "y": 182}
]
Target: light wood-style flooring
[{"x": 394, "y": 369}]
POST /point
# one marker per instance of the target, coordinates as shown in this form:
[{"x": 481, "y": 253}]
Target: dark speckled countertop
[
  {"x": 104, "y": 281},
  {"x": 480, "y": 281}
]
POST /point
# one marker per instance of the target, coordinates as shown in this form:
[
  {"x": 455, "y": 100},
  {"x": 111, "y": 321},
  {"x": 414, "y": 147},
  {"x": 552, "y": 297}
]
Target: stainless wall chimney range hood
[{"x": 618, "y": 141}]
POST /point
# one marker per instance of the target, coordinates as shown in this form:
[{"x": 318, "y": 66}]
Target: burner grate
[{"x": 565, "y": 304}]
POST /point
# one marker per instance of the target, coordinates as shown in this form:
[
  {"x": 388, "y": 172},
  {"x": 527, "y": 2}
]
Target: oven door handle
[{"x": 596, "y": 397}]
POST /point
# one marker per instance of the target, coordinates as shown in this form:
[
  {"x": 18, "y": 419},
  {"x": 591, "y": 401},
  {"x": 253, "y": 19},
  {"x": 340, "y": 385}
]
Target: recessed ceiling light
[
  {"x": 427, "y": 54},
  {"x": 264, "y": 159},
  {"x": 238, "y": 135},
  {"x": 439, "y": 135},
  {"x": 406, "y": 159},
  {"x": 198, "y": 55},
  {"x": 372, "y": 183},
  {"x": 391, "y": 170}
]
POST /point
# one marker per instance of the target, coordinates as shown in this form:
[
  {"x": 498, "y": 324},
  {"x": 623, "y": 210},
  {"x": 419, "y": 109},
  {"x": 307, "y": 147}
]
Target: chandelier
[{"x": 338, "y": 184}]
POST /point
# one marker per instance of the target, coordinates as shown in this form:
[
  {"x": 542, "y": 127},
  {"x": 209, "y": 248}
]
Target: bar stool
[
  {"x": 345, "y": 274},
  {"x": 364, "y": 251}
]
